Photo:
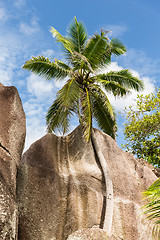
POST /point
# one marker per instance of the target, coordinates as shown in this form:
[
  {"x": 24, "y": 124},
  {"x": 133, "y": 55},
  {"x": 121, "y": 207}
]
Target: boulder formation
[
  {"x": 66, "y": 185},
  {"x": 12, "y": 136},
  {"x": 61, "y": 188},
  {"x": 67, "y": 189}
]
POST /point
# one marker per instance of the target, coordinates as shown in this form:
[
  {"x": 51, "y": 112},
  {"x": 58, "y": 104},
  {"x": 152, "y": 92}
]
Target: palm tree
[
  {"x": 85, "y": 90},
  {"x": 152, "y": 208}
]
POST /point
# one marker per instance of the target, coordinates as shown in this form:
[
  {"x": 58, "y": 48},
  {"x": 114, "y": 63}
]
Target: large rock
[
  {"x": 12, "y": 135},
  {"x": 66, "y": 184},
  {"x": 130, "y": 177},
  {"x": 89, "y": 234},
  {"x": 60, "y": 188}
]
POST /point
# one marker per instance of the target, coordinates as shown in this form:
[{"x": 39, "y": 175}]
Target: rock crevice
[{"x": 5, "y": 149}]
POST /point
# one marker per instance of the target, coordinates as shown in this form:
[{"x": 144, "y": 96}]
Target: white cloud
[
  {"x": 42, "y": 94},
  {"x": 35, "y": 131},
  {"x": 3, "y": 14},
  {"x": 19, "y": 3},
  {"x": 141, "y": 62},
  {"x": 39, "y": 87},
  {"x": 7, "y": 64},
  {"x": 120, "y": 103},
  {"x": 49, "y": 53},
  {"x": 60, "y": 83},
  {"x": 35, "y": 110},
  {"x": 116, "y": 30},
  {"x": 112, "y": 67},
  {"x": 6, "y": 76},
  {"x": 29, "y": 29}
]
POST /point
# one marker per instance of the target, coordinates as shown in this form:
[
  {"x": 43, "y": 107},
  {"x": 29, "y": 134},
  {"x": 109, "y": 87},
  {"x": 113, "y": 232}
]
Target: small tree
[{"x": 142, "y": 129}]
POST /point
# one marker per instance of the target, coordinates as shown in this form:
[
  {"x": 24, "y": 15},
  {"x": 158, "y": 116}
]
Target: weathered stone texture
[
  {"x": 60, "y": 188},
  {"x": 12, "y": 136},
  {"x": 66, "y": 184},
  {"x": 89, "y": 234},
  {"x": 130, "y": 178}
]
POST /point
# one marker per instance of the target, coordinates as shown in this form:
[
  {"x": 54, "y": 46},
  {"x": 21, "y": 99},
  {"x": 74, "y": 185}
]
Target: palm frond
[
  {"x": 59, "y": 113},
  {"x": 77, "y": 35},
  {"x": 65, "y": 43},
  {"x": 123, "y": 78},
  {"x": 117, "y": 47},
  {"x": 81, "y": 62},
  {"x": 43, "y": 67},
  {"x": 63, "y": 40},
  {"x": 86, "y": 114},
  {"x": 62, "y": 64},
  {"x": 95, "y": 49},
  {"x": 113, "y": 87},
  {"x": 152, "y": 208},
  {"x": 103, "y": 111},
  {"x": 54, "y": 117}
]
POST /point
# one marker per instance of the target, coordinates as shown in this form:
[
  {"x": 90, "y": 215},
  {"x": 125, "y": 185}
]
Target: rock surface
[
  {"x": 65, "y": 185},
  {"x": 60, "y": 188},
  {"x": 12, "y": 136},
  {"x": 89, "y": 234},
  {"x": 129, "y": 177}
]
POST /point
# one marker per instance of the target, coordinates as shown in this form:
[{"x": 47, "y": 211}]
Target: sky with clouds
[{"x": 24, "y": 32}]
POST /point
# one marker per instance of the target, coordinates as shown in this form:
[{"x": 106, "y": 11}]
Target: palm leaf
[
  {"x": 123, "y": 78},
  {"x": 117, "y": 47},
  {"x": 81, "y": 62},
  {"x": 54, "y": 117},
  {"x": 77, "y": 36},
  {"x": 43, "y": 67},
  {"x": 67, "y": 46},
  {"x": 62, "y": 64},
  {"x": 63, "y": 107},
  {"x": 113, "y": 87},
  {"x": 103, "y": 111},
  {"x": 152, "y": 208},
  {"x": 86, "y": 114},
  {"x": 95, "y": 49}
]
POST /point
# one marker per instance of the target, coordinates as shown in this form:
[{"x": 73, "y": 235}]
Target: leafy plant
[
  {"x": 142, "y": 129},
  {"x": 152, "y": 208},
  {"x": 84, "y": 92}
]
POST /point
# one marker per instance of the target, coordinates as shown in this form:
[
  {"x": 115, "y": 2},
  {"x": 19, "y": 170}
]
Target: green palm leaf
[
  {"x": 81, "y": 62},
  {"x": 123, "y": 78},
  {"x": 66, "y": 44},
  {"x": 54, "y": 117},
  {"x": 95, "y": 49},
  {"x": 62, "y": 65},
  {"x": 152, "y": 208},
  {"x": 77, "y": 36},
  {"x": 113, "y": 87},
  {"x": 103, "y": 111},
  {"x": 59, "y": 113},
  {"x": 117, "y": 47},
  {"x": 43, "y": 67}
]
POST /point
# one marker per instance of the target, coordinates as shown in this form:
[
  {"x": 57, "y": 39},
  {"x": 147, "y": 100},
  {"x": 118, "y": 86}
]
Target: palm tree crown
[{"x": 85, "y": 90}]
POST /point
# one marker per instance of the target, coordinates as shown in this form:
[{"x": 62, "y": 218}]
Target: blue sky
[{"x": 24, "y": 32}]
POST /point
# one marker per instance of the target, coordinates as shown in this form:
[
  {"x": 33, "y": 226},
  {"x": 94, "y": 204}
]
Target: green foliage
[
  {"x": 152, "y": 208},
  {"x": 142, "y": 130},
  {"x": 83, "y": 93}
]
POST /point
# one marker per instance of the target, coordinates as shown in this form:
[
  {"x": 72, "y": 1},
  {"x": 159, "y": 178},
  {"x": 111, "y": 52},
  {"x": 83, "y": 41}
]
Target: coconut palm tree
[
  {"x": 84, "y": 92},
  {"x": 152, "y": 208}
]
